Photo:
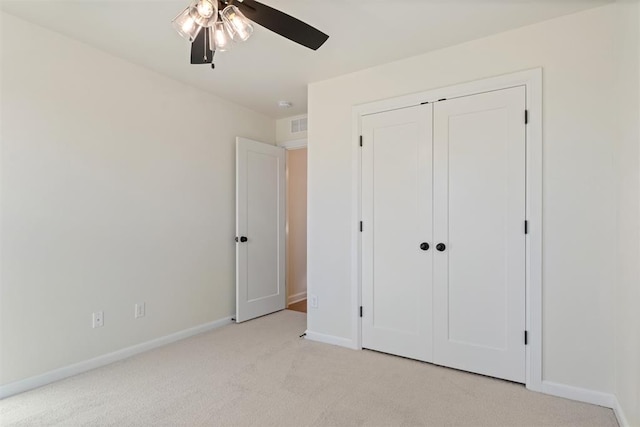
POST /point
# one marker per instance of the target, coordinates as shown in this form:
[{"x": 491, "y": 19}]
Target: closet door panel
[
  {"x": 397, "y": 209},
  {"x": 479, "y": 200}
]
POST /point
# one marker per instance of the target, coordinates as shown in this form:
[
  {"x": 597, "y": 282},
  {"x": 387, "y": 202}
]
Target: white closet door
[
  {"x": 479, "y": 200},
  {"x": 397, "y": 209}
]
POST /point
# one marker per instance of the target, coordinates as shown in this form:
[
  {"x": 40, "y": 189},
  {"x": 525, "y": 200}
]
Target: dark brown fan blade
[
  {"x": 283, "y": 24},
  {"x": 200, "y": 49}
]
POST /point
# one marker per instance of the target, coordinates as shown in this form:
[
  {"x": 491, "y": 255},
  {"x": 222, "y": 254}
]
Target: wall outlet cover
[
  {"x": 139, "y": 310},
  {"x": 313, "y": 301},
  {"x": 98, "y": 319}
]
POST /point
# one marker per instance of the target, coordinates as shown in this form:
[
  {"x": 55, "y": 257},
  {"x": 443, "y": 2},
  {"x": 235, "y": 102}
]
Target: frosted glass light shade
[
  {"x": 186, "y": 26},
  {"x": 240, "y": 26},
  {"x": 219, "y": 37}
]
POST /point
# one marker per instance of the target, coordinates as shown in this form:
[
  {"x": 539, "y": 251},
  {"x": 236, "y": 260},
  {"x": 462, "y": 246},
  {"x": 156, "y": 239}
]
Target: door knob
[
  {"x": 441, "y": 247},
  {"x": 242, "y": 239},
  {"x": 424, "y": 246}
]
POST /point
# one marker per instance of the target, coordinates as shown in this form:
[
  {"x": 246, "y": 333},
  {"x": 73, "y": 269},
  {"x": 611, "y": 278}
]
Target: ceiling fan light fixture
[
  {"x": 240, "y": 26},
  {"x": 186, "y": 25},
  {"x": 224, "y": 23},
  {"x": 219, "y": 37}
]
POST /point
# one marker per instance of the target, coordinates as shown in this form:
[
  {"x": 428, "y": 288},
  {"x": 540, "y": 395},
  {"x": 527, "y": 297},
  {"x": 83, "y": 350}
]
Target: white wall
[
  {"x": 578, "y": 56},
  {"x": 113, "y": 192},
  {"x": 627, "y": 314}
]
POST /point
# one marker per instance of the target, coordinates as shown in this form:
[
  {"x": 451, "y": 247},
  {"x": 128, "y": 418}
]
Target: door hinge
[
  {"x": 526, "y": 227},
  {"x": 361, "y": 226},
  {"x": 360, "y": 311},
  {"x": 360, "y": 140},
  {"x": 442, "y": 99},
  {"x": 424, "y": 103},
  {"x": 526, "y": 117},
  {"x": 526, "y": 337}
]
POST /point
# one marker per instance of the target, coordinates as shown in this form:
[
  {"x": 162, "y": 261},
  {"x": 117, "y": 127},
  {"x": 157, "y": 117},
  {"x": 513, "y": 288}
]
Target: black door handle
[
  {"x": 242, "y": 239},
  {"x": 441, "y": 247},
  {"x": 424, "y": 246}
]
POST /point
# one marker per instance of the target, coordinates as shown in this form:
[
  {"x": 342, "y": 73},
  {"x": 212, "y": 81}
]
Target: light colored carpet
[{"x": 260, "y": 373}]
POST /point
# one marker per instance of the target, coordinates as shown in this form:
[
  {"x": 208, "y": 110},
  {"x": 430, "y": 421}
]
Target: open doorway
[{"x": 296, "y": 235}]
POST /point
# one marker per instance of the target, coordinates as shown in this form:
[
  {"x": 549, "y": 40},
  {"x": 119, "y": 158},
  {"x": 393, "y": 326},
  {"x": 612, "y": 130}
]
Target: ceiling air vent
[{"x": 299, "y": 125}]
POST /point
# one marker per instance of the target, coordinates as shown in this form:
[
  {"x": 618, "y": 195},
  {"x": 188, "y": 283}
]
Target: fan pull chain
[{"x": 206, "y": 40}]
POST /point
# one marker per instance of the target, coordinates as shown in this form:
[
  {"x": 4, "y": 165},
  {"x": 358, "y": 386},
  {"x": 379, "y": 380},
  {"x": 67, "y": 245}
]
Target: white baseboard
[
  {"x": 86, "y": 365},
  {"x": 580, "y": 394},
  {"x": 608, "y": 400},
  {"x": 300, "y": 296},
  {"x": 331, "y": 339},
  {"x": 622, "y": 419}
]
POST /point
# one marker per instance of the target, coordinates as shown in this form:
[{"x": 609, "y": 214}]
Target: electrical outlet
[
  {"x": 313, "y": 301},
  {"x": 139, "y": 310},
  {"x": 98, "y": 319}
]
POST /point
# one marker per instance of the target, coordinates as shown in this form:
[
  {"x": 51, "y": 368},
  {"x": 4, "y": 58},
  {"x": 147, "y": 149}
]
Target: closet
[{"x": 443, "y": 232}]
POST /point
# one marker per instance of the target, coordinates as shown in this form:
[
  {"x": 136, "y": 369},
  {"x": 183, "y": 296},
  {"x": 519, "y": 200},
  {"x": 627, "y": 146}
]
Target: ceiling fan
[{"x": 212, "y": 25}]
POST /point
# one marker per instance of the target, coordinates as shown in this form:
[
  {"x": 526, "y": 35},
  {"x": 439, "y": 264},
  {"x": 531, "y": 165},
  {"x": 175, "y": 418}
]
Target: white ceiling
[{"x": 268, "y": 68}]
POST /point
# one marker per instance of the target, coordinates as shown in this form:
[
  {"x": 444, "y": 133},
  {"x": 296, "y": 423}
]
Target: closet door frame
[{"x": 532, "y": 81}]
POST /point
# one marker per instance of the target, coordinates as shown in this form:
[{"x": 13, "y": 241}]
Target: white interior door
[
  {"x": 396, "y": 214},
  {"x": 479, "y": 214},
  {"x": 260, "y": 229}
]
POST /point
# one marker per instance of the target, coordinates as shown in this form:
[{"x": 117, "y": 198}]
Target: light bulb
[
  {"x": 219, "y": 38},
  {"x": 241, "y": 28},
  {"x": 237, "y": 24},
  {"x": 186, "y": 26}
]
